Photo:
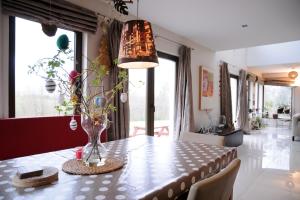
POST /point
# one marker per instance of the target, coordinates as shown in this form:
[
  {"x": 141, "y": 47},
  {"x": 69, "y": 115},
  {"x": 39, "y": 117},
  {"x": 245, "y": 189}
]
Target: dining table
[{"x": 155, "y": 168}]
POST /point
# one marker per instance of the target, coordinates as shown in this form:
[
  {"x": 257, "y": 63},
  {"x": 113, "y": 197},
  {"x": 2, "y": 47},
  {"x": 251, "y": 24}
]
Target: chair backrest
[
  {"x": 217, "y": 187},
  {"x": 202, "y": 138}
]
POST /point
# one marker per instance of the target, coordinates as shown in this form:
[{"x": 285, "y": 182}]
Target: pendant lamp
[
  {"x": 293, "y": 74},
  {"x": 137, "y": 48}
]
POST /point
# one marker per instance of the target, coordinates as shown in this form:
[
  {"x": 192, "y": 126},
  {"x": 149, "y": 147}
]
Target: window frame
[{"x": 11, "y": 62}]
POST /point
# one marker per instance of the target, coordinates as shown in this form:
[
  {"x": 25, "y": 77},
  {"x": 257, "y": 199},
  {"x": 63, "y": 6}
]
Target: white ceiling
[{"x": 216, "y": 24}]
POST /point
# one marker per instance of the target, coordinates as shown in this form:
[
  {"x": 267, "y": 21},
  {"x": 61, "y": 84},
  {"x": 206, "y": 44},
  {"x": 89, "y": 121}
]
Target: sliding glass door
[
  {"x": 137, "y": 101},
  {"x": 164, "y": 96},
  {"x": 151, "y": 98},
  {"x": 234, "y": 95}
]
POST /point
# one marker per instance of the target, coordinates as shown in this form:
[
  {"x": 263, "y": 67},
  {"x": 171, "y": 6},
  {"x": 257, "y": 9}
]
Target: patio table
[{"x": 155, "y": 168}]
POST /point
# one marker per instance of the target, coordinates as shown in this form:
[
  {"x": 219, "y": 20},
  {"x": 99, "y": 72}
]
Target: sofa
[{"x": 296, "y": 126}]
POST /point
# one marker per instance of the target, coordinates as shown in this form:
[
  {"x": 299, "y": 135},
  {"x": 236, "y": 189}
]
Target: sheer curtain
[
  {"x": 183, "y": 111},
  {"x": 120, "y": 119},
  {"x": 225, "y": 90},
  {"x": 242, "y": 107}
]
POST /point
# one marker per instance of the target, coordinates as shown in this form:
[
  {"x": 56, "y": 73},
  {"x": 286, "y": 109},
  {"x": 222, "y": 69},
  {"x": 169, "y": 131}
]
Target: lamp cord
[{"x": 137, "y": 10}]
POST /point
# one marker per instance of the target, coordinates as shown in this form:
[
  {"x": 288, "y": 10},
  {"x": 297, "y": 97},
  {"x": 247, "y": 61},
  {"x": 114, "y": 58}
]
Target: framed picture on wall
[{"x": 206, "y": 84}]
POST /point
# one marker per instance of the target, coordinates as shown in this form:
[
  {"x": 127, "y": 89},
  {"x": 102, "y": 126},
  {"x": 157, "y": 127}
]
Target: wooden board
[{"x": 50, "y": 174}]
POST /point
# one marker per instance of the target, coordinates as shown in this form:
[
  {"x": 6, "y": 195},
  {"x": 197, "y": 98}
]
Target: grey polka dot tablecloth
[{"x": 155, "y": 168}]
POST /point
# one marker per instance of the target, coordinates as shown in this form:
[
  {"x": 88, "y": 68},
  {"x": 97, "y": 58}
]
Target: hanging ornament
[
  {"x": 124, "y": 97},
  {"x": 49, "y": 29},
  {"x": 73, "y": 76},
  {"x": 73, "y": 124},
  {"x": 100, "y": 101},
  {"x": 61, "y": 98},
  {"x": 62, "y": 42},
  {"x": 50, "y": 85}
]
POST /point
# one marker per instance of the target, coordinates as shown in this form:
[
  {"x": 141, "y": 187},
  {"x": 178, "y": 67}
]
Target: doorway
[
  {"x": 151, "y": 98},
  {"x": 278, "y": 105}
]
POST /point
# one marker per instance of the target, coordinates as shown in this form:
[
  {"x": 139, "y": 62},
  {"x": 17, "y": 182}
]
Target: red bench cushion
[{"x": 27, "y": 136}]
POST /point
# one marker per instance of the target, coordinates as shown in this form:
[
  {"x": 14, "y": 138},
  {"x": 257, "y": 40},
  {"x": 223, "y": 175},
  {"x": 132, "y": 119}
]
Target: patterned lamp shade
[
  {"x": 137, "y": 48},
  {"x": 293, "y": 74}
]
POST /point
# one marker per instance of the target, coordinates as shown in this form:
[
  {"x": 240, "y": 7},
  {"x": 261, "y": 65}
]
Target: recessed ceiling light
[{"x": 244, "y": 25}]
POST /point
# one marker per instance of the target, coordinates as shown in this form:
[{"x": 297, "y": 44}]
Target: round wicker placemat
[{"x": 77, "y": 167}]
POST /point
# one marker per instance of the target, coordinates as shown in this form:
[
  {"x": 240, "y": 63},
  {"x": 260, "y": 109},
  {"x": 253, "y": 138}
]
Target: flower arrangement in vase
[{"x": 84, "y": 93}]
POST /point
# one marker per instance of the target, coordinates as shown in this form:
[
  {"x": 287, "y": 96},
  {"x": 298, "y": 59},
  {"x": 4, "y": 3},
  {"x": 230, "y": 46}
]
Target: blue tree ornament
[
  {"x": 100, "y": 101},
  {"x": 62, "y": 42}
]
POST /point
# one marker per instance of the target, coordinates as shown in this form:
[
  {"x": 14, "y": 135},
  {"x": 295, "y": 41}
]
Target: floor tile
[{"x": 270, "y": 166}]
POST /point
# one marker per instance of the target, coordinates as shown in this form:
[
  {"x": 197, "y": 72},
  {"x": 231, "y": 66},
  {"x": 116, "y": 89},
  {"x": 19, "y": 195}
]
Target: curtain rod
[{"x": 167, "y": 39}]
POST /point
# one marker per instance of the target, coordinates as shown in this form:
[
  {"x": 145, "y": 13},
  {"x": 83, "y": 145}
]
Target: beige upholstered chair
[
  {"x": 202, "y": 138},
  {"x": 217, "y": 187}
]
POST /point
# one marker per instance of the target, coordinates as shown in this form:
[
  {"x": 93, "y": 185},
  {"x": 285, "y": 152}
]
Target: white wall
[
  {"x": 207, "y": 59},
  {"x": 296, "y": 100},
  {"x": 200, "y": 56},
  {"x": 236, "y": 59},
  {"x": 282, "y": 53}
]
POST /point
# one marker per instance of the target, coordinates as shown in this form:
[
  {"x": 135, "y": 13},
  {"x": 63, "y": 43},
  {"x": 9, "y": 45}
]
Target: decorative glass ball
[
  {"x": 73, "y": 76},
  {"x": 63, "y": 42},
  {"x": 124, "y": 97},
  {"x": 49, "y": 29},
  {"x": 100, "y": 101},
  {"x": 73, "y": 124},
  {"x": 50, "y": 85}
]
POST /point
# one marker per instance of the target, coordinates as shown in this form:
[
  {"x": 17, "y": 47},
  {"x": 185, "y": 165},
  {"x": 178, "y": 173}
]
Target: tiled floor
[{"x": 270, "y": 167}]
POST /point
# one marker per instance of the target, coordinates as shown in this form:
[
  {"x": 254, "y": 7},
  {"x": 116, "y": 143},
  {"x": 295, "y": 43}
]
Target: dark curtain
[
  {"x": 242, "y": 108},
  {"x": 225, "y": 91},
  {"x": 183, "y": 112},
  {"x": 120, "y": 119}
]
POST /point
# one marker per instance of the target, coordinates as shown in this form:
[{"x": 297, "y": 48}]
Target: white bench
[{"x": 202, "y": 138}]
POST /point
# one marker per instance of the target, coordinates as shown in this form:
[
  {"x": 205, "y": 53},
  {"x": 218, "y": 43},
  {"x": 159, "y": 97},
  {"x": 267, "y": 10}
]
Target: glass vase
[{"x": 94, "y": 152}]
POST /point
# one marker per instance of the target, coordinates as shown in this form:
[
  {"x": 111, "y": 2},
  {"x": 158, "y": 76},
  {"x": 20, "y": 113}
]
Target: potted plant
[{"x": 83, "y": 92}]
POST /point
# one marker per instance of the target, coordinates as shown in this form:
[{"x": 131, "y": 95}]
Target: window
[
  {"x": 260, "y": 98},
  {"x": 234, "y": 95},
  {"x": 137, "y": 101},
  {"x": 151, "y": 98},
  {"x": 256, "y": 95},
  {"x": 251, "y": 96},
  {"x": 164, "y": 95},
  {"x": 278, "y": 100},
  {"x": 28, "y": 44}
]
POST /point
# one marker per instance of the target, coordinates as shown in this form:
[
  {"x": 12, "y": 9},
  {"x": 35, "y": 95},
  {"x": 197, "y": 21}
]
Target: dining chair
[{"x": 217, "y": 187}]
